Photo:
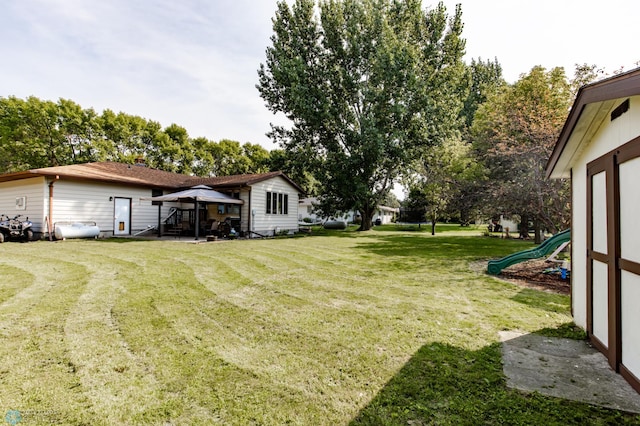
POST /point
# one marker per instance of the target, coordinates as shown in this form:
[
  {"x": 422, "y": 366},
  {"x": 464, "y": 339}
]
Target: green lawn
[{"x": 390, "y": 326}]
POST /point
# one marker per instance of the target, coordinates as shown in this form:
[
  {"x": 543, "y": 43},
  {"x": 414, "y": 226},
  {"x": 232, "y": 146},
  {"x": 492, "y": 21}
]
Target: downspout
[
  {"x": 249, "y": 213},
  {"x": 49, "y": 218}
]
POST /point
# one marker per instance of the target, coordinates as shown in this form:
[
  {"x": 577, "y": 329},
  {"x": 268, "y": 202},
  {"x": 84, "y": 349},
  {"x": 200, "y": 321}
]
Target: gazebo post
[
  {"x": 159, "y": 220},
  {"x": 197, "y": 218}
]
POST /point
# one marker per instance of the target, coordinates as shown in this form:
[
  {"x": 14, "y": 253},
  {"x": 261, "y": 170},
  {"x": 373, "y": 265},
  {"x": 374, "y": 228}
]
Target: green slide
[{"x": 494, "y": 267}]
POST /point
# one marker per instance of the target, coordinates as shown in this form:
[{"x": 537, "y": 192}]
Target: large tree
[
  {"x": 366, "y": 85},
  {"x": 515, "y": 132},
  {"x": 441, "y": 175}
]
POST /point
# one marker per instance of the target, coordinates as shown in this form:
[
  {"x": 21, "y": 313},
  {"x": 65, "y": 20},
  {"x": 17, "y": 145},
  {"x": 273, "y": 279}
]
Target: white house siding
[
  {"x": 606, "y": 138},
  {"x": 386, "y": 214},
  {"x": 267, "y": 224},
  {"x": 92, "y": 201},
  {"x": 34, "y": 191}
]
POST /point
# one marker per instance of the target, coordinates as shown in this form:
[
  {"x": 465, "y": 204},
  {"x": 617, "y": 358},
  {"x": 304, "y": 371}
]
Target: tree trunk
[
  {"x": 367, "y": 219},
  {"x": 433, "y": 226},
  {"x": 538, "y": 231},
  {"x": 464, "y": 217},
  {"x": 524, "y": 226}
]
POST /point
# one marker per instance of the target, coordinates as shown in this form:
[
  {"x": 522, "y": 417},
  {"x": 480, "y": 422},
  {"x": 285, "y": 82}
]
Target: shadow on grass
[
  {"x": 443, "y": 384},
  {"x": 567, "y": 331}
]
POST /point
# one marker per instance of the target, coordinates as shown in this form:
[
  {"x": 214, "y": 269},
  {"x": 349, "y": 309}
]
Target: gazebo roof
[{"x": 198, "y": 193}]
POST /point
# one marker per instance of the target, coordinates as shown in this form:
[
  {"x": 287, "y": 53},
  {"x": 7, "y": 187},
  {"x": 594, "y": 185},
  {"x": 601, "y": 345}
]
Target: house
[
  {"x": 599, "y": 150},
  {"x": 306, "y": 211},
  {"x": 386, "y": 214},
  {"x": 112, "y": 195}
]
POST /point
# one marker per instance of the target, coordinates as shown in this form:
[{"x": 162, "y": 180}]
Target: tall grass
[{"x": 382, "y": 327}]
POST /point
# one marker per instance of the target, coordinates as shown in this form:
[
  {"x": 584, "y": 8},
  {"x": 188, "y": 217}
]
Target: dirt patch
[
  {"x": 532, "y": 274},
  {"x": 529, "y": 274}
]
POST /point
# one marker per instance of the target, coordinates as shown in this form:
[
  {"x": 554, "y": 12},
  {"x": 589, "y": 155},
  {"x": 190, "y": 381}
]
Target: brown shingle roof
[
  {"x": 108, "y": 172},
  {"x": 244, "y": 180},
  {"x": 142, "y": 176}
]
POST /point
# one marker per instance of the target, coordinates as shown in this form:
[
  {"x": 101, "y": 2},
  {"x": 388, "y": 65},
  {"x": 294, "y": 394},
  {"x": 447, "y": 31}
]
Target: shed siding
[
  {"x": 34, "y": 190},
  {"x": 266, "y": 224},
  {"x": 609, "y": 136}
]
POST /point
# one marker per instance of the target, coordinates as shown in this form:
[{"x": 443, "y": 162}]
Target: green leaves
[
  {"x": 515, "y": 131},
  {"x": 366, "y": 84},
  {"x": 36, "y": 133}
]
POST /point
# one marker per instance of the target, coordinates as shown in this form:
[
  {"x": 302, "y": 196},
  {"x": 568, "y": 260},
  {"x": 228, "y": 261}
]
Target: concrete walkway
[{"x": 564, "y": 368}]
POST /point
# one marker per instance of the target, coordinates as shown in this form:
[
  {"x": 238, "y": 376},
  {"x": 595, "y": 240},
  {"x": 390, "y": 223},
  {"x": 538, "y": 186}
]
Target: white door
[
  {"x": 629, "y": 263},
  {"x": 599, "y": 260},
  {"x": 613, "y": 253},
  {"x": 122, "y": 216}
]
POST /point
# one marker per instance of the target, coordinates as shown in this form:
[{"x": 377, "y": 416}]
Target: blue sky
[{"x": 194, "y": 62}]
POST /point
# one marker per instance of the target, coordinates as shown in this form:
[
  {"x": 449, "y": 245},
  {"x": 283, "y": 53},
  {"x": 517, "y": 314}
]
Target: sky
[{"x": 195, "y": 62}]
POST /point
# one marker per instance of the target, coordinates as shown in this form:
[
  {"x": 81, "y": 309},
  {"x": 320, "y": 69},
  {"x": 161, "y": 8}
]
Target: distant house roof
[
  {"x": 592, "y": 105},
  {"x": 139, "y": 175},
  {"x": 389, "y": 209}
]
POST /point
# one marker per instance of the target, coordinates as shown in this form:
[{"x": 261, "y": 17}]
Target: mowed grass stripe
[
  {"x": 269, "y": 338},
  {"x": 111, "y": 374},
  {"x": 14, "y": 280},
  {"x": 185, "y": 349},
  {"x": 37, "y": 369},
  {"x": 353, "y": 325}
]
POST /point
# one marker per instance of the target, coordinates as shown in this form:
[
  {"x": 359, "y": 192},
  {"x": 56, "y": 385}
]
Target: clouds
[{"x": 190, "y": 62}]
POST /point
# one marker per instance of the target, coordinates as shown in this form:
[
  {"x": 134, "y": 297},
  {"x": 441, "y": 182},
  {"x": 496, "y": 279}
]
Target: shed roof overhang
[{"x": 592, "y": 106}]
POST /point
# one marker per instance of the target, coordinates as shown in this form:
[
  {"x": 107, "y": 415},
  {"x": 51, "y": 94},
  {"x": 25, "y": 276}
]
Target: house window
[
  {"x": 274, "y": 203},
  {"x": 277, "y": 203}
]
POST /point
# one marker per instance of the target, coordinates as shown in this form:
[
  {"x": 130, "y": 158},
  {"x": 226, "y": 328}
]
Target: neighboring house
[
  {"x": 386, "y": 214},
  {"x": 110, "y": 194},
  {"x": 599, "y": 150},
  {"x": 306, "y": 210}
]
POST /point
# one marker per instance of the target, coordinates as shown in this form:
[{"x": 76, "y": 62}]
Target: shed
[{"x": 599, "y": 150}]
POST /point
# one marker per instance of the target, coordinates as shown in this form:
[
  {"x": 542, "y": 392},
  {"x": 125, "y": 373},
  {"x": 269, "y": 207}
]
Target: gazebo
[{"x": 196, "y": 195}]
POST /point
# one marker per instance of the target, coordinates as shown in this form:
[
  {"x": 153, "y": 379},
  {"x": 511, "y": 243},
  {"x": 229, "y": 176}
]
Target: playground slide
[{"x": 494, "y": 267}]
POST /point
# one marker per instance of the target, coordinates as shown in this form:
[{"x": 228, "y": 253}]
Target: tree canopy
[
  {"x": 36, "y": 133},
  {"x": 366, "y": 85},
  {"x": 446, "y": 179},
  {"x": 515, "y": 131}
]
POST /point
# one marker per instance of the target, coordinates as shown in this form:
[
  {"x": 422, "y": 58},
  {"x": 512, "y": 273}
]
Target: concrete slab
[{"x": 564, "y": 368}]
